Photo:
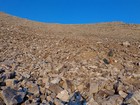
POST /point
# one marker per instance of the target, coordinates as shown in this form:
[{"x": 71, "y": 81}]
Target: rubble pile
[{"x": 42, "y": 66}]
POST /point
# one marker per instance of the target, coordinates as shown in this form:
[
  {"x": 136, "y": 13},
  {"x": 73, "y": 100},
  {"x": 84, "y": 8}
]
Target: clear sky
[{"x": 74, "y": 11}]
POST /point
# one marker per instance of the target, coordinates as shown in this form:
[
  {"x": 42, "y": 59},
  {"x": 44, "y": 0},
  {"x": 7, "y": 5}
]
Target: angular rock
[
  {"x": 49, "y": 98},
  {"x": 12, "y": 97},
  {"x": 55, "y": 88},
  {"x": 139, "y": 46},
  {"x": 94, "y": 87},
  {"x": 1, "y": 70},
  {"x": 44, "y": 102},
  {"x": 133, "y": 99},
  {"x": 126, "y": 44},
  {"x": 57, "y": 102},
  {"x": 9, "y": 75},
  {"x": 110, "y": 53},
  {"x": 122, "y": 94},
  {"x": 56, "y": 80},
  {"x": 63, "y": 95},
  {"x": 1, "y": 102},
  {"x": 34, "y": 89},
  {"x": 92, "y": 102},
  {"x": 77, "y": 99},
  {"x": 80, "y": 87},
  {"x": 113, "y": 100},
  {"x": 26, "y": 75},
  {"x": 11, "y": 82}
]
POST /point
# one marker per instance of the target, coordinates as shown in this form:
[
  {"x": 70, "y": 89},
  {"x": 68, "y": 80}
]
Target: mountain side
[{"x": 47, "y": 64}]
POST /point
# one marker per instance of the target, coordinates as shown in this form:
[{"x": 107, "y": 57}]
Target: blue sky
[{"x": 74, "y": 11}]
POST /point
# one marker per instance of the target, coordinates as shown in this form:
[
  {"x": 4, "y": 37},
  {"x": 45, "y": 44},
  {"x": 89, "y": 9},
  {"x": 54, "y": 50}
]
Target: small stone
[
  {"x": 106, "y": 61},
  {"x": 56, "y": 80},
  {"x": 1, "y": 102},
  {"x": 34, "y": 89},
  {"x": 67, "y": 84},
  {"x": 55, "y": 88},
  {"x": 92, "y": 102},
  {"x": 57, "y": 102},
  {"x": 9, "y": 75},
  {"x": 44, "y": 102},
  {"x": 139, "y": 46},
  {"x": 122, "y": 94},
  {"x": 1, "y": 70},
  {"x": 36, "y": 100},
  {"x": 133, "y": 99},
  {"x": 126, "y": 44},
  {"x": 94, "y": 87},
  {"x": 63, "y": 95},
  {"x": 77, "y": 99},
  {"x": 80, "y": 87},
  {"x": 26, "y": 75},
  {"x": 138, "y": 63},
  {"x": 27, "y": 102},
  {"x": 110, "y": 53},
  {"x": 12, "y": 97},
  {"x": 113, "y": 100},
  {"x": 49, "y": 98},
  {"x": 11, "y": 82}
]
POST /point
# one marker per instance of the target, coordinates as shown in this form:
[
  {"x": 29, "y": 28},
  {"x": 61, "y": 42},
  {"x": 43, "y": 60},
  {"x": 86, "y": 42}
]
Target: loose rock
[
  {"x": 63, "y": 95},
  {"x": 12, "y": 97}
]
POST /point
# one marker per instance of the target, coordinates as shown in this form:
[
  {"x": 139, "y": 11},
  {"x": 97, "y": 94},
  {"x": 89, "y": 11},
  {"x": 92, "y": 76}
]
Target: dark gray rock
[
  {"x": 1, "y": 70},
  {"x": 9, "y": 75}
]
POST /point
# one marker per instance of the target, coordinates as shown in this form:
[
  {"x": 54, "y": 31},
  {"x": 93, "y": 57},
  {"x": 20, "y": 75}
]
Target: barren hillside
[{"x": 47, "y": 64}]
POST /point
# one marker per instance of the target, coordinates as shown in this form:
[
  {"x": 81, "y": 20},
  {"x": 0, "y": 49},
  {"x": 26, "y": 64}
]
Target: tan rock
[
  {"x": 126, "y": 44},
  {"x": 34, "y": 89},
  {"x": 10, "y": 82},
  {"x": 92, "y": 102},
  {"x": 49, "y": 98},
  {"x": 122, "y": 94},
  {"x": 93, "y": 87},
  {"x": 80, "y": 87},
  {"x": 113, "y": 100},
  {"x": 135, "y": 99},
  {"x": 55, "y": 88},
  {"x": 56, "y": 80},
  {"x": 63, "y": 95},
  {"x": 57, "y": 102}
]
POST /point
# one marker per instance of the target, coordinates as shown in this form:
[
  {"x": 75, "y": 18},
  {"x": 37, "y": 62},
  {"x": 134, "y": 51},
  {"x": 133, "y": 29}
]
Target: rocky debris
[{"x": 47, "y": 64}]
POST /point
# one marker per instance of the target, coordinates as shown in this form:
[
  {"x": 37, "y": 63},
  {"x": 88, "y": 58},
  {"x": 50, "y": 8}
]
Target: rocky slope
[{"x": 54, "y": 64}]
